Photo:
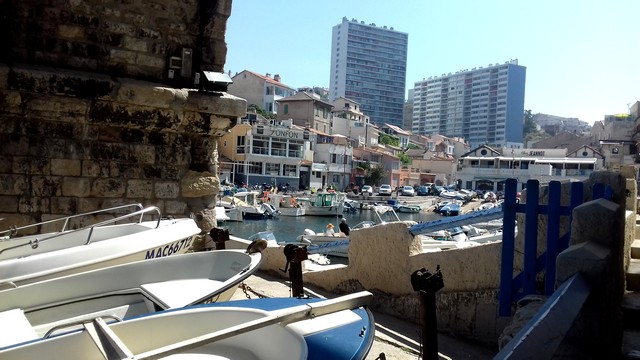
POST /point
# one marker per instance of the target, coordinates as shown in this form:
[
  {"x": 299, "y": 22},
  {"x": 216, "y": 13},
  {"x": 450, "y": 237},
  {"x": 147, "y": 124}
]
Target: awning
[
  {"x": 567, "y": 161},
  {"x": 319, "y": 167}
]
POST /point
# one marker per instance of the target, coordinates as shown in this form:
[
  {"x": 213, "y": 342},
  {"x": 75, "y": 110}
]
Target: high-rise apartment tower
[
  {"x": 369, "y": 65},
  {"x": 482, "y": 105}
]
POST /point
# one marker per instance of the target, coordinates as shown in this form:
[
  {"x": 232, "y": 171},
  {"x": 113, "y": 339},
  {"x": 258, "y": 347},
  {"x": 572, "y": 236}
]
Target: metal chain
[{"x": 246, "y": 289}]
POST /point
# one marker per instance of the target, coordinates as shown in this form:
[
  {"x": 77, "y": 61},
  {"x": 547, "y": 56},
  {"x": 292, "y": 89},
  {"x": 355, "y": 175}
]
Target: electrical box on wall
[{"x": 187, "y": 63}]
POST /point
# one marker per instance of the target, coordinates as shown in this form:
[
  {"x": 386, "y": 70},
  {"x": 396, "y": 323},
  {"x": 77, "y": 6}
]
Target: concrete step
[
  {"x": 635, "y": 246},
  {"x": 630, "y": 344},
  {"x": 633, "y": 275},
  {"x": 631, "y": 310}
]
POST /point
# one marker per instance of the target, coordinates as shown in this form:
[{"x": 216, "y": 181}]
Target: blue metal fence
[{"x": 514, "y": 288}]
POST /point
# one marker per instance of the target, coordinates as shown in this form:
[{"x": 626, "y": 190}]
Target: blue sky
[{"x": 582, "y": 57}]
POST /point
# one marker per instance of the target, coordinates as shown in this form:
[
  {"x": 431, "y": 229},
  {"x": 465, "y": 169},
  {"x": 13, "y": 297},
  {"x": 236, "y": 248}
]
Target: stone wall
[
  {"x": 89, "y": 118},
  {"x": 129, "y": 38}
]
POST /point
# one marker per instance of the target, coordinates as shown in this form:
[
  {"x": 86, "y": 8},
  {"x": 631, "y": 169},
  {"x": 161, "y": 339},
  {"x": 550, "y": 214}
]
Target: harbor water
[{"x": 288, "y": 228}]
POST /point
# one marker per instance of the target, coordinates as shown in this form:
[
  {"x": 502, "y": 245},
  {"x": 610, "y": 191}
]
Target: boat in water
[
  {"x": 337, "y": 244},
  {"x": 286, "y": 205},
  {"x": 322, "y": 204},
  {"x": 289, "y": 328},
  {"x": 247, "y": 203},
  {"x": 37, "y": 310},
  {"x": 123, "y": 239}
]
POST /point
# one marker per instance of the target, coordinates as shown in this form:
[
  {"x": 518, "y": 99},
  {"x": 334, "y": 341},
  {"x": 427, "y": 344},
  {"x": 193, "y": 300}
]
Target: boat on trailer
[
  {"x": 122, "y": 291},
  {"x": 122, "y": 239},
  {"x": 261, "y": 329}
]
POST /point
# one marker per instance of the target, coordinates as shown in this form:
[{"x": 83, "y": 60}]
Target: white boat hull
[
  {"x": 320, "y": 239},
  {"x": 292, "y": 211},
  {"x": 127, "y": 290},
  {"x": 110, "y": 245}
]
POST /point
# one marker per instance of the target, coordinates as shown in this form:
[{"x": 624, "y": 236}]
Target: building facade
[
  {"x": 268, "y": 152},
  {"x": 482, "y": 105},
  {"x": 261, "y": 90},
  {"x": 368, "y": 65},
  {"x": 486, "y": 168},
  {"x": 336, "y": 152},
  {"x": 349, "y": 120},
  {"x": 306, "y": 110}
]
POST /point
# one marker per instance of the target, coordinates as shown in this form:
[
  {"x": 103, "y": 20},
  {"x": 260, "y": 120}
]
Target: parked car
[
  {"x": 385, "y": 189},
  {"x": 423, "y": 191},
  {"x": 408, "y": 191},
  {"x": 436, "y": 190},
  {"x": 367, "y": 189}
]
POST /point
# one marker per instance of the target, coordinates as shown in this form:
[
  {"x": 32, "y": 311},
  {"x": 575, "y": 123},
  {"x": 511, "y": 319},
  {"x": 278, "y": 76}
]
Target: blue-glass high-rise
[
  {"x": 481, "y": 105},
  {"x": 369, "y": 65}
]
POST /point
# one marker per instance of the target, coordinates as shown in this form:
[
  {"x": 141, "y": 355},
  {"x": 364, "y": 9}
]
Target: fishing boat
[
  {"x": 124, "y": 291},
  {"x": 405, "y": 208},
  {"x": 123, "y": 239},
  {"x": 247, "y": 203},
  {"x": 337, "y": 244},
  {"x": 322, "y": 204},
  {"x": 289, "y": 328},
  {"x": 286, "y": 205}
]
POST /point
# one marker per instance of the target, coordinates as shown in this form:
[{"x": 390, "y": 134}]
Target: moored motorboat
[
  {"x": 247, "y": 203},
  {"x": 322, "y": 204},
  {"x": 32, "y": 258},
  {"x": 405, "y": 208},
  {"x": 123, "y": 291},
  {"x": 286, "y": 205},
  {"x": 288, "y": 328}
]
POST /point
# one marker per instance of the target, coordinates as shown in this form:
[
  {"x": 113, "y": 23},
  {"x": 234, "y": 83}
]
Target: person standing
[{"x": 344, "y": 227}]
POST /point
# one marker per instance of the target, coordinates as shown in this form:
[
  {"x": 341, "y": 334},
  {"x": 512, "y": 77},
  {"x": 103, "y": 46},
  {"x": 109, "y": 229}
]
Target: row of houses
[
  {"x": 308, "y": 142},
  {"x": 280, "y": 152}
]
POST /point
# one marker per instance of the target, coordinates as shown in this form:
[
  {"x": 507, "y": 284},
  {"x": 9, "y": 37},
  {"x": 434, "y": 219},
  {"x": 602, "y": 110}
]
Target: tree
[
  {"x": 374, "y": 175},
  {"x": 387, "y": 139},
  {"x": 530, "y": 130},
  {"x": 404, "y": 158},
  {"x": 261, "y": 111}
]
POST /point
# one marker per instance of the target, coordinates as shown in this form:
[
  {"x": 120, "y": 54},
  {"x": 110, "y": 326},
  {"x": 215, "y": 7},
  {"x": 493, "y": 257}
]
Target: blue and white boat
[{"x": 261, "y": 329}]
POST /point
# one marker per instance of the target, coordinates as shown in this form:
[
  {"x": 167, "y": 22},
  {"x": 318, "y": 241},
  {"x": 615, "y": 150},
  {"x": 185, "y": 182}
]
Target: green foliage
[
  {"x": 404, "y": 158},
  {"x": 261, "y": 111},
  {"x": 413, "y": 146},
  {"x": 374, "y": 175},
  {"x": 530, "y": 131},
  {"x": 387, "y": 139}
]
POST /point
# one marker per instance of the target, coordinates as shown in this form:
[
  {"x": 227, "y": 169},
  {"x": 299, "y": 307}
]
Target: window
[
  {"x": 278, "y": 147},
  {"x": 289, "y": 170},
  {"x": 295, "y": 148},
  {"x": 286, "y": 108},
  {"x": 240, "y": 145},
  {"x": 255, "y": 168},
  {"x": 260, "y": 145},
  {"x": 273, "y": 169}
]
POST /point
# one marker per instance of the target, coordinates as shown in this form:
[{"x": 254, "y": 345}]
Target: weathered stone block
[
  {"x": 72, "y": 32},
  {"x": 13, "y": 184},
  {"x": 27, "y": 205},
  {"x": 150, "y": 61},
  {"x": 143, "y": 154},
  {"x": 108, "y": 187},
  {"x": 46, "y": 186},
  {"x": 27, "y": 165},
  {"x": 602, "y": 212},
  {"x": 135, "y": 44},
  {"x": 175, "y": 207},
  {"x": 64, "y": 205},
  {"x": 8, "y": 204},
  {"x": 76, "y": 186},
  {"x": 195, "y": 184},
  {"x": 139, "y": 189},
  {"x": 590, "y": 259},
  {"x": 167, "y": 190},
  {"x": 66, "y": 167},
  {"x": 92, "y": 168}
]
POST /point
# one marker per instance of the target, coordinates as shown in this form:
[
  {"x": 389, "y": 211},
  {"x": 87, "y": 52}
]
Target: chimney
[
  {"x": 276, "y": 77},
  {"x": 268, "y": 75}
]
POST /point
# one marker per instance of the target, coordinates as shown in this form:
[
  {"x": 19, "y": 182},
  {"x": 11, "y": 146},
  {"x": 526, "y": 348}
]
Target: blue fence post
[
  {"x": 531, "y": 237},
  {"x": 508, "y": 247},
  {"x": 553, "y": 236}
]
